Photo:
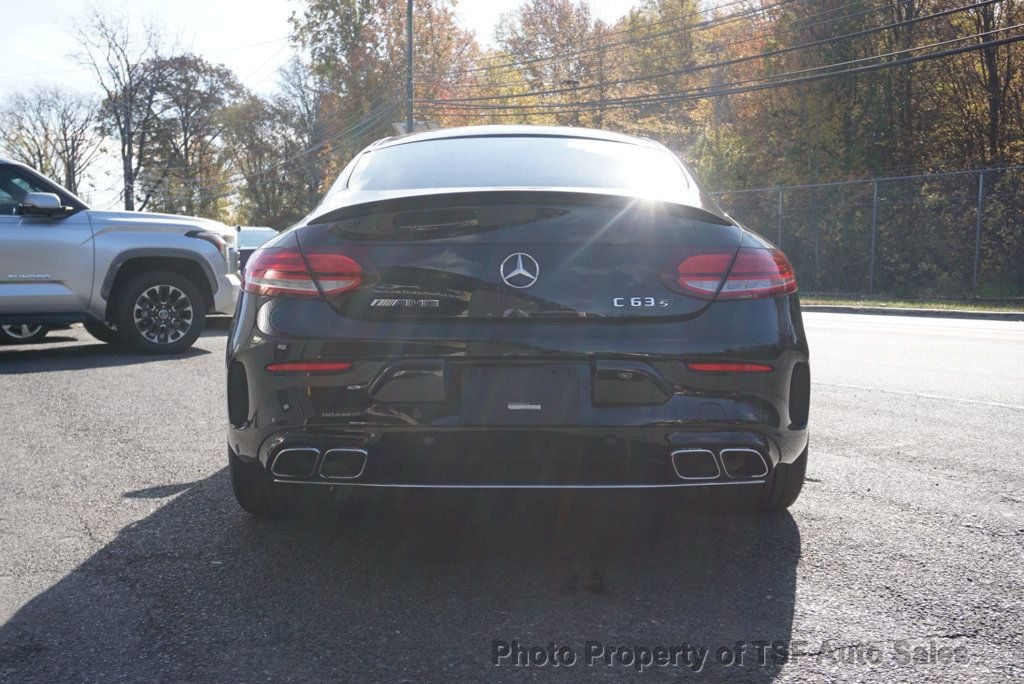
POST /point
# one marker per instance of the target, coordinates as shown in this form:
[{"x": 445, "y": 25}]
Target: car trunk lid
[{"x": 519, "y": 254}]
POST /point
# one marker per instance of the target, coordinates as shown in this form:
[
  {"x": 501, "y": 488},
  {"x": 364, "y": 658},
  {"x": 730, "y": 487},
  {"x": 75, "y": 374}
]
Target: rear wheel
[
  {"x": 21, "y": 333},
  {"x": 255, "y": 492},
  {"x": 258, "y": 494},
  {"x": 104, "y": 331},
  {"x": 778, "y": 492},
  {"x": 159, "y": 313},
  {"x": 783, "y": 487}
]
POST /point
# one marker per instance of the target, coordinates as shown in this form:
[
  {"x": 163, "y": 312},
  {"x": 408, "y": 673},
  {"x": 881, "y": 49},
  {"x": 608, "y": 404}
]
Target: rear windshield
[{"x": 518, "y": 162}]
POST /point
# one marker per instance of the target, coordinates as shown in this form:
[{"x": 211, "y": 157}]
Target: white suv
[{"x": 144, "y": 280}]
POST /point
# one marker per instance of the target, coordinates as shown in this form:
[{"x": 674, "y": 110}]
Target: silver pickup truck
[{"x": 145, "y": 281}]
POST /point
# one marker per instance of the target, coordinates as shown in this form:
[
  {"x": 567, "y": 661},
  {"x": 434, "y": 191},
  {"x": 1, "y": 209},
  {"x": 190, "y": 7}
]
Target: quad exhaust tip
[
  {"x": 337, "y": 464},
  {"x": 736, "y": 464},
  {"x": 695, "y": 464},
  {"x": 743, "y": 464},
  {"x": 343, "y": 464},
  {"x": 295, "y": 462}
]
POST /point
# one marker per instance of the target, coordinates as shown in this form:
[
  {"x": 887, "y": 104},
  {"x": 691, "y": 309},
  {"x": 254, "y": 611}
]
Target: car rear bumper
[
  {"x": 522, "y": 458},
  {"x": 425, "y": 406}
]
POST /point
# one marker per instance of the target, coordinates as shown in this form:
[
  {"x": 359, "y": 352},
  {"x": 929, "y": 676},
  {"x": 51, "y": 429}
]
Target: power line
[
  {"x": 789, "y": 30},
  {"x": 730, "y": 62},
  {"x": 740, "y": 87},
  {"x": 622, "y": 32},
  {"x": 708, "y": 23}
]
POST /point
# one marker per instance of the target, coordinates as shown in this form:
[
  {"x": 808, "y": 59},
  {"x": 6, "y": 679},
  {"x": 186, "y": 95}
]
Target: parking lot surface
[{"x": 124, "y": 557}]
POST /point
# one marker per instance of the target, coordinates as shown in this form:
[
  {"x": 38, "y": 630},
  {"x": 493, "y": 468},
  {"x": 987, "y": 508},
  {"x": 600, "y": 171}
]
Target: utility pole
[
  {"x": 409, "y": 122},
  {"x": 574, "y": 83}
]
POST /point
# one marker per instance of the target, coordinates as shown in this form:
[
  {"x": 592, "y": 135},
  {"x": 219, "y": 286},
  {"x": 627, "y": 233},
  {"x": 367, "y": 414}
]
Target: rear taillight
[
  {"x": 701, "y": 274},
  {"x": 336, "y": 273},
  {"x": 759, "y": 273},
  {"x": 755, "y": 273},
  {"x": 286, "y": 272}
]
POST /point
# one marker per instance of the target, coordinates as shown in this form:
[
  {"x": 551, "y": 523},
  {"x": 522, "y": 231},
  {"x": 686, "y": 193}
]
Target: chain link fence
[{"x": 956, "y": 235}]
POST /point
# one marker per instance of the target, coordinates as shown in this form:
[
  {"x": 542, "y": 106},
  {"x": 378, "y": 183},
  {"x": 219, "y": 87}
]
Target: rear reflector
[
  {"x": 729, "y": 367},
  {"x": 755, "y": 273},
  {"x": 283, "y": 272},
  {"x": 309, "y": 367}
]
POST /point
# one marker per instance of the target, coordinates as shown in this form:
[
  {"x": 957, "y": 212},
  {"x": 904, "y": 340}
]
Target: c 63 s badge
[
  {"x": 407, "y": 303},
  {"x": 641, "y": 303}
]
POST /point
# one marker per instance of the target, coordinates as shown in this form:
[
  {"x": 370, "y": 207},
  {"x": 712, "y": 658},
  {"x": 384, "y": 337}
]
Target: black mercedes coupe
[{"x": 517, "y": 307}]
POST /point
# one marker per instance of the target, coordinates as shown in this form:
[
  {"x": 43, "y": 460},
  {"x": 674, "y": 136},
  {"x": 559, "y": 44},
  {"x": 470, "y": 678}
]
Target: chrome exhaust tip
[
  {"x": 744, "y": 464},
  {"x": 299, "y": 462},
  {"x": 695, "y": 464},
  {"x": 343, "y": 464}
]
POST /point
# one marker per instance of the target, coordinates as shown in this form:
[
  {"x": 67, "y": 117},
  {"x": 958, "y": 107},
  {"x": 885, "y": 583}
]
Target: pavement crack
[{"x": 88, "y": 530}]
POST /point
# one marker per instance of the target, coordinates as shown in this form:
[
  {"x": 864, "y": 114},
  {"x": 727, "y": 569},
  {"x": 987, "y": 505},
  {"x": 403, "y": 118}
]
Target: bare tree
[
  {"x": 27, "y": 133},
  {"x": 126, "y": 66},
  {"x": 301, "y": 105},
  {"x": 53, "y": 131}
]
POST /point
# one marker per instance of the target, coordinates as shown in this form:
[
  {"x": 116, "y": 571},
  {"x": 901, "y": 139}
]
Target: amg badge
[{"x": 407, "y": 303}]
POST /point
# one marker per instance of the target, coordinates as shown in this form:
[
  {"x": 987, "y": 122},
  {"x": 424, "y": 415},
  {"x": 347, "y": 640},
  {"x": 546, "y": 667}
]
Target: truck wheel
[
  {"x": 103, "y": 331},
  {"x": 21, "y": 333},
  {"x": 159, "y": 313}
]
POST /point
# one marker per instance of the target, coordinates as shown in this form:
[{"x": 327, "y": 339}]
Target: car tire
[
  {"x": 783, "y": 487},
  {"x": 22, "y": 333},
  {"x": 159, "y": 313},
  {"x": 102, "y": 331},
  {"x": 258, "y": 494},
  {"x": 778, "y": 492},
  {"x": 254, "y": 489}
]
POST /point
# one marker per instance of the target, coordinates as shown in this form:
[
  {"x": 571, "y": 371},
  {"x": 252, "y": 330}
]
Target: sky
[{"x": 249, "y": 36}]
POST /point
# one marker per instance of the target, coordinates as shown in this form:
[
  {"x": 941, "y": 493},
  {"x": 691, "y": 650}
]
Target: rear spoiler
[{"x": 368, "y": 203}]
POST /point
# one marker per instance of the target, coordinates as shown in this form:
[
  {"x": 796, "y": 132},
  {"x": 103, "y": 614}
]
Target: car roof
[
  {"x": 516, "y": 130},
  {"x": 13, "y": 162}
]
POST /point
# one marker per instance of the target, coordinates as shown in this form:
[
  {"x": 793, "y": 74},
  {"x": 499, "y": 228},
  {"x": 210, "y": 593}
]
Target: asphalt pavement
[{"x": 123, "y": 556}]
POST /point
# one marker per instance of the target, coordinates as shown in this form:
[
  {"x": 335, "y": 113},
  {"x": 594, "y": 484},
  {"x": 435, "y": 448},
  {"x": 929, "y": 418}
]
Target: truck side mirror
[{"x": 41, "y": 204}]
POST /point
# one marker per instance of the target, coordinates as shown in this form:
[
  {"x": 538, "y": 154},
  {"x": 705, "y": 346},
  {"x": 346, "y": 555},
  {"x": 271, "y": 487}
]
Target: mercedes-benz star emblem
[{"x": 519, "y": 270}]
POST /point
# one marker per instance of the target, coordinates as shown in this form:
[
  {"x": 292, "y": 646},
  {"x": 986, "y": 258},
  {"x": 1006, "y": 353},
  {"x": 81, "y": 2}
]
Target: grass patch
[{"x": 944, "y": 304}]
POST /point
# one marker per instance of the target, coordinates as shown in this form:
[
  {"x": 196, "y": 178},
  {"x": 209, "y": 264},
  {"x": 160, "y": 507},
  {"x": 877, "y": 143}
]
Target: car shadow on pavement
[
  {"x": 414, "y": 586},
  {"x": 217, "y": 326},
  {"x": 26, "y": 359}
]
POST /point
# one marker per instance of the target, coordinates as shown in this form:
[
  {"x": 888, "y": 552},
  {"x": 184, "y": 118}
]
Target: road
[{"x": 124, "y": 557}]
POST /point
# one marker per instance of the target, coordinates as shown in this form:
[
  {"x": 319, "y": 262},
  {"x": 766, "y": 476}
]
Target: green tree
[
  {"x": 357, "y": 48},
  {"x": 187, "y": 164}
]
